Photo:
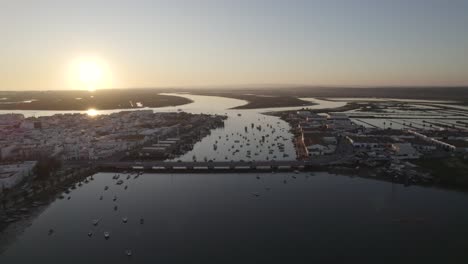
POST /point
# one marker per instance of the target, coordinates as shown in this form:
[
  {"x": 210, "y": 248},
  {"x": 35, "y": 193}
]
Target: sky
[{"x": 220, "y": 43}]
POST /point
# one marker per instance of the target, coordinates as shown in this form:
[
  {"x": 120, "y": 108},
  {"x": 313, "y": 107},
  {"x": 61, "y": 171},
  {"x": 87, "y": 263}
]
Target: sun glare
[
  {"x": 89, "y": 73},
  {"x": 92, "y": 112}
]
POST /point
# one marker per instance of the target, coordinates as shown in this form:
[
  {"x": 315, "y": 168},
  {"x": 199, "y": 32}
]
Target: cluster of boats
[
  {"x": 15, "y": 214},
  {"x": 255, "y": 142},
  {"x": 119, "y": 180}
]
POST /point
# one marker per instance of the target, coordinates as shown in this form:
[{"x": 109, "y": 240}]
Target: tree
[{"x": 46, "y": 166}]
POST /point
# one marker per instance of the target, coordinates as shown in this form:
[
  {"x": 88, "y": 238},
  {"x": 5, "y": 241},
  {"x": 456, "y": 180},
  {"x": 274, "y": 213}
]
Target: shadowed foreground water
[{"x": 237, "y": 218}]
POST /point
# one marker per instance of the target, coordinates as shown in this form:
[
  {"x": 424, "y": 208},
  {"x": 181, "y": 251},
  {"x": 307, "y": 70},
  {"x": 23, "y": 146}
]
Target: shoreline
[{"x": 83, "y": 100}]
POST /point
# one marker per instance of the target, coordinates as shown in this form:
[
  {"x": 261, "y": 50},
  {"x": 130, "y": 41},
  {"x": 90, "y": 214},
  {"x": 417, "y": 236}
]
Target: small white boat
[
  {"x": 125, "y": 219},
  {"x": 128, "y": 252},
  {"x": 106, "y": 235},
  {"x": 96, "y": 222}
]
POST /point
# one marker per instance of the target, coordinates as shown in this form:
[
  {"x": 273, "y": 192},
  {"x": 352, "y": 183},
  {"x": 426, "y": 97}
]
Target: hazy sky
[{"x": 196, "y": 42}]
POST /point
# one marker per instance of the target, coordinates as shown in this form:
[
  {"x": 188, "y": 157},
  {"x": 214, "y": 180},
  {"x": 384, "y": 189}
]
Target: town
[
  {"x": 410, "y": 151},
  {"x": 66, "y": 138}
]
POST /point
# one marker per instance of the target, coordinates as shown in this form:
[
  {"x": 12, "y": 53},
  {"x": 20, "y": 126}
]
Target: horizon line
[{"x": 253, "y": 86}]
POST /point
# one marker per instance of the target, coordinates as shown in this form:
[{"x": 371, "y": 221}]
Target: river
[{"x": 247, "y": 217}]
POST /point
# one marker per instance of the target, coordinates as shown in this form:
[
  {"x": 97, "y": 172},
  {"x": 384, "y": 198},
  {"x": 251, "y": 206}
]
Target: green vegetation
[
  {"x": 84, "y": 100},
  {"x": 451, "y": 171},
  {"x": 46, "y": 167}
]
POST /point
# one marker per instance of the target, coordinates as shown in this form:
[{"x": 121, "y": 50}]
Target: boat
[
  {"x": 120, "y": 182},
  {"x": 9, "y": 220},
  {"x": 125, "y": 219},
  {"x": 96, "y": 222},
  {"x": 90, "y": 234},
  {"x": 36, "y": 204},
  {"x": 128, "y": 252},
  {"x": 106, "y": 188},
  {"x": 106, "y": 235}
]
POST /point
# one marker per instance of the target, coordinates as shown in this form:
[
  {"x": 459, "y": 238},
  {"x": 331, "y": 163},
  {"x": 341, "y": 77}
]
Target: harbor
[{"x": 239, "y": 176}]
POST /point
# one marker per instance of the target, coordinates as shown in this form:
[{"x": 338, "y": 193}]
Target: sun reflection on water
[{"x": 92, "y": 112}]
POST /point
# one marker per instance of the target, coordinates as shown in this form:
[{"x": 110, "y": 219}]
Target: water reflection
[
  {"x": 213, "y": 217},
  {"x": 92, "y": 112}
]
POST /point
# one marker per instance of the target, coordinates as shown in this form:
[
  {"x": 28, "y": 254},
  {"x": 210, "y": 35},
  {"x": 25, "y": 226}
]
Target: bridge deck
[{"x": 203, "y": 165}]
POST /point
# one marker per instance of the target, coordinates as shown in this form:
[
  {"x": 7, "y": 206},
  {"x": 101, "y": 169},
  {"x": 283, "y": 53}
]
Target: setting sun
[{"x": 90, "y": 73}]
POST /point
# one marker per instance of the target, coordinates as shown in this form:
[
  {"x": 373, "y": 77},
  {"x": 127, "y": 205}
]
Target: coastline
[{"x": 84, "y": 100}]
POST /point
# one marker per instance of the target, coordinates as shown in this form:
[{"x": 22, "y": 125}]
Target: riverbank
[
  {"x": 19, "y": 207},
  {"x": 84, "y": 100},
  {"x": 258, "y": 101}
]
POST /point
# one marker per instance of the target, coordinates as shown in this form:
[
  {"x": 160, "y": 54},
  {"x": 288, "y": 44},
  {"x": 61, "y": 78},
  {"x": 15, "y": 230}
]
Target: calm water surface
[{"x": 217, "y": 218}]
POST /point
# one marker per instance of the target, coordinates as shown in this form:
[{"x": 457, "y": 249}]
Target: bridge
[{"x": 194, "y": 166}]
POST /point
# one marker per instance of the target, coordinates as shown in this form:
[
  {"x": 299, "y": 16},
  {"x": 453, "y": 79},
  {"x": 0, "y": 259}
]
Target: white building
[{"x": 13, "y": 174}]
